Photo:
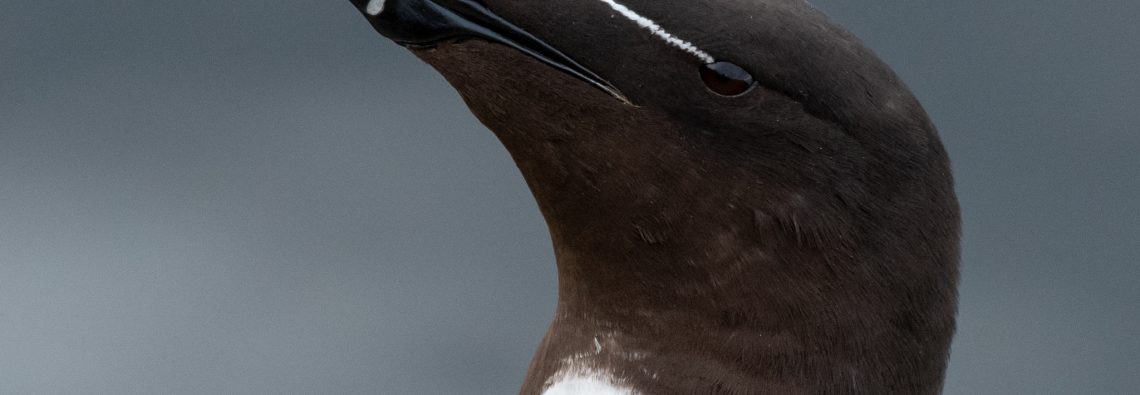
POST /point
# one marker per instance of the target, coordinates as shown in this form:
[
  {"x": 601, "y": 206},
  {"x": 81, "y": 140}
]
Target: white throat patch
[
  {"x": 580, "y": 374},
  {"x": 375, "y": 7},
  {"x": 585, "y": 382},
  {"x": 660, "y": 32}
]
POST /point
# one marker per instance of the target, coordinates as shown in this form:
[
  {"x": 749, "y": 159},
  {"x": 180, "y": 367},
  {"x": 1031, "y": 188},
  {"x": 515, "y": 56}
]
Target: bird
[{"x": 742, "y": 197}]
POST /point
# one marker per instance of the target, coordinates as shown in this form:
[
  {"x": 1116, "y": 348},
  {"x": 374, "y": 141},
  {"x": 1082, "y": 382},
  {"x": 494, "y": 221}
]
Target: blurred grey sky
[{"x": 268, "y": 198}]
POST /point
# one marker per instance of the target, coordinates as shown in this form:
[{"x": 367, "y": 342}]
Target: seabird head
[{"x": 740, "y": 183}]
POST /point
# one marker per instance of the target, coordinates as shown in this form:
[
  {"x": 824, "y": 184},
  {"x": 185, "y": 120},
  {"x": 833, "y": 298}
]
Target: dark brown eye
[{"x": 726, "y": 79}]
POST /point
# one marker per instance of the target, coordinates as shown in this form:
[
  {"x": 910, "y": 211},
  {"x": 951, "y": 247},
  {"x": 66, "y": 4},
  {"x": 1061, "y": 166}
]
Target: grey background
[{"x": 221, "y": 196}]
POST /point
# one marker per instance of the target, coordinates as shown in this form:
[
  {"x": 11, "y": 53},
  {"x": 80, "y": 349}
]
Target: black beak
[{"x": 423, "y": 23}]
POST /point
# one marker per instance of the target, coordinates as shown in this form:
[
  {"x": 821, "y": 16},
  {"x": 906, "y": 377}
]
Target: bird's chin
[
  {"x": 478, "y": 67},
  {"x": 457, "y": 59},
  {"x": 516, "y": 96},
  {"x": 486, "y": 75}
]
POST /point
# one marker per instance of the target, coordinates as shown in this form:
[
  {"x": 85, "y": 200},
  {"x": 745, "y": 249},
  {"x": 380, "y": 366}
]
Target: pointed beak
[{"x": 424, "y": 23}]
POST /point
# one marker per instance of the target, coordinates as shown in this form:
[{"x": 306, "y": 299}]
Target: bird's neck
[
  {"x": 665, "y": 268},
  {"x": 669, "y": 276}
]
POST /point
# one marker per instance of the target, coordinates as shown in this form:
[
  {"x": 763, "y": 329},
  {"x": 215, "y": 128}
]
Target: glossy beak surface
[{"x": 425, "y": 23}]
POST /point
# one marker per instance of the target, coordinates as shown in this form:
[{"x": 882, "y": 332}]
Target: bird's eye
[{"x": 726, "y": 79}]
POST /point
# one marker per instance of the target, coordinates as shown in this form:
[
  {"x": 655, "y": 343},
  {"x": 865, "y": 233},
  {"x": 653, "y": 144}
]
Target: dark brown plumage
[{"x": 801, "y": 238}]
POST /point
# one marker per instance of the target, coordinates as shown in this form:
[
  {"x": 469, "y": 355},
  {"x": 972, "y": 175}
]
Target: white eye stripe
[
  {"x": 660, "y": 32},
  {"x": 375, "y": 7}
]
